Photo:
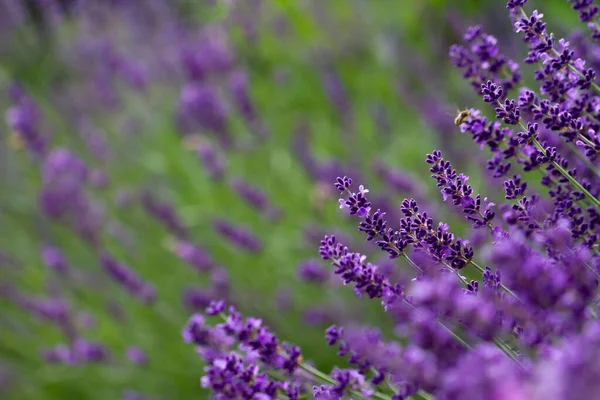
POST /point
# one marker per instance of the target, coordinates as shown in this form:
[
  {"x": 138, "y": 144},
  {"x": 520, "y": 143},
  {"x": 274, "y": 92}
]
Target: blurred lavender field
[{"x": 156, "y": 155}]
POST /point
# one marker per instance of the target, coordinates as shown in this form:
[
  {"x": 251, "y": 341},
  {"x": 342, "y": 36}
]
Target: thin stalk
[
  {"x": 556, "y": 53},
  {"x": 507, "y": 350},
  {"x": 568, "y": 176},
  {"x": 595, "y": 202}
]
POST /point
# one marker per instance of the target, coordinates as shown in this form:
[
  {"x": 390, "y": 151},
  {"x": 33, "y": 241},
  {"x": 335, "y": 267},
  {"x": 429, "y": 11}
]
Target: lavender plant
[
  {"x": 503, "y": 335},
  {"x": 165, "y": 186}
]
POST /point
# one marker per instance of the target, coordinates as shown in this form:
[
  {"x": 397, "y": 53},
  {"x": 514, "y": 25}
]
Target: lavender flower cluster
[
  {"x": 525, "y": 326},
  {"x": 502, "y": 308}
]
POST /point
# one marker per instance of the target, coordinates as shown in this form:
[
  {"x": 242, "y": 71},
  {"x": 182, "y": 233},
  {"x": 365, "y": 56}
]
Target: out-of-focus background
[{"x": 196, "y": 143}]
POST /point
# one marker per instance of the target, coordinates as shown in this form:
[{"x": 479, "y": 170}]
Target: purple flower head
[
  {"x": 90, "y": 352},
  {"x": 485, "y": 373},
  {"x": 356, "y": 203},
  {"x": 254, "y": 197},
  {"x": 333, "y": 334},
  {"x": 570, "y": 369},
  {"x": 53, "y": 310},
  {"x": 24, "y": 118},
  {"x": 59, "y": 354},
  {"x": 352, "y": 268},
  {"x": 193, "y": 255},
  {"x": 81, "y": 352},
  {"x": 95, "y": 141},
  {"x": 215, "y": 307},
  {"x": 455, "y": 187},
  {"x": 512, "y": 4},
  {"x": 137, "y": 355},
  {"x": 312, "y": 271},
  {"x": 165, "y": 214},
  {"x": 238, "y": 86},
  {"x": 213, "y": 161},
  {"x": 64, "y": 176},
  {"x": 347, "y": 379},
  {"x": 60, "y": 164},
  {"x": 219, "y": 279},
  {"x": 201, "y": 107},
  {"x": 196, "y": 298},
  {"x": 480, "y": 61},
  {"x": 238, "y": 235},
  {"x": 125, "y": 277},
  {"x": 317, "y": 316},
  {"x": 54, "y": 259},
  {"x": 206, "y": 55},
  {"x": 261, "y": 347}
]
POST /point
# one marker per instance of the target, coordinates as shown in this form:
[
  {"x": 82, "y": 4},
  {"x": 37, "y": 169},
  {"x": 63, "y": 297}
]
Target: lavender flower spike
[
  {"x": 125, "y": 277},
  {"x": 455, "y": 187},
  {"x": 238, "y": 235}
]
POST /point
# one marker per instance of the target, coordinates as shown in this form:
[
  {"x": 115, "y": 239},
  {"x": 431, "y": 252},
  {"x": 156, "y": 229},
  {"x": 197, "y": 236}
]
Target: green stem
[
  {"x": 508, "y": 351},
  {"x": 568, "y": 176},
  {"x": 595, "y": 202},
  {"x": 556, "y": 53}
]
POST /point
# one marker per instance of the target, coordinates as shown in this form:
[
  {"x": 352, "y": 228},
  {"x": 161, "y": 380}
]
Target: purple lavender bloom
[
  {"x": 60, "y": 354},
  {"x": 312, "y": 271},
  {"x": 219, "y": 281},
  {"x": 317, "y": 316},
  {"x": 261, "y": 348},
  {"x": 98, "y": 178},
  {"x": 206, "y": 55},
  {"x": 397, "y": 180},
  {"x": 55, "y": 260},
  {"x": 346, "y": 379},
  {"x": 90, "y": 352},
  {"x": 137, "y": 355},
  {"x": 24, "y": 118},
  {"x": 352, "y": 268},
  {"x": 570, "y": 369},
  {"x": 126, "y": 278},
  {"x": 195, "y": 256},
  {"x": 202, "y": 107},
  {"x": 588, "y": 12},
  {"x": 215, "y": 307},
  {"x": 197, "y": 299},
  {"x": 231, "y": 377},
  {"x": 445, "y": 296},
  {"x": 238, "y": 86},
  {"x": 212, "y": 160},
  {"x": 238, "y": 235},
  {"x": 85, "y": 320},
  {"x": 63, "y": 175},
  {"x": 96, "y": 142},
  {"x": 482, "y": 61},
  {"x": 483, "y": 373},
  {"x": 165, "y": 214},
  {"x": 53, "y": 310},
  {"x": 455, "y": 187},
  {"x": 416, "y": 229},
  {"x": 81, "y": 352},
  {"x": 254, "y": 197},
  {"x": 333, "y": 334}
]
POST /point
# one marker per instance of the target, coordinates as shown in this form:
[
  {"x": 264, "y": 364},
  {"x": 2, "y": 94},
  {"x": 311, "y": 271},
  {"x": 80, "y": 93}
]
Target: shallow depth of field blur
[{"x": 335, "y": 87}]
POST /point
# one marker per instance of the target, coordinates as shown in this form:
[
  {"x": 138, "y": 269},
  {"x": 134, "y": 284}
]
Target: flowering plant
[{"x": 526, "y": 327}]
